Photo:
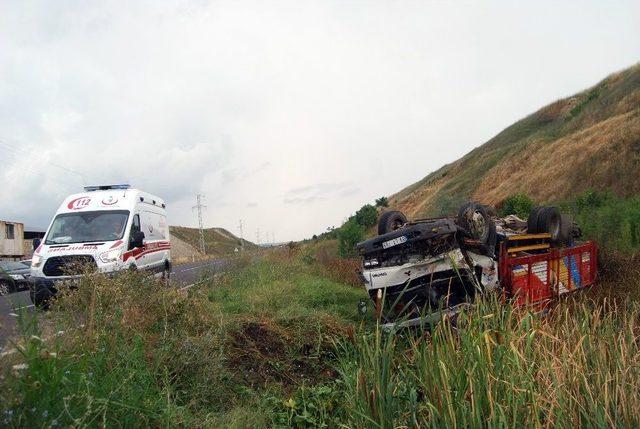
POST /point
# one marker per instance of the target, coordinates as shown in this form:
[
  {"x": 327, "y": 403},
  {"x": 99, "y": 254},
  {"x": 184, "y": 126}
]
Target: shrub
[
  {"x": 382, "y": 202},
  {"x": 612, "y": 221},
  {"x": 518, "y": 204},
  {"x": 350, "y": 234},
  {"x": 367, "y": 216}
]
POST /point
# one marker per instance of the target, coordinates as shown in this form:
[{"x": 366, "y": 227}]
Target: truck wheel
[
  {"x": 532, "y": 220},
  {"x": 549, "y": 221},
  {"x": 390, "y": 221},
  {"x": 566, "y": 230},
  {"x": 474, "y": 219}
]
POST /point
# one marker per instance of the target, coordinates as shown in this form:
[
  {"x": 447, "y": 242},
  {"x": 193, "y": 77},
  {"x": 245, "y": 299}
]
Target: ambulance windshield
[{"x": 87, "y": 227}]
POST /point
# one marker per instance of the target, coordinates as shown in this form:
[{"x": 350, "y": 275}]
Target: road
[{"x": 182, "y": 276}]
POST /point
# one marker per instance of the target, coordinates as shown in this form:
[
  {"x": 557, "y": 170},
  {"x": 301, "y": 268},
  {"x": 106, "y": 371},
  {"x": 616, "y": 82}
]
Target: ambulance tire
[
  {"x": 390, "y": 221},
  {"x": 166, "y": 272},
  {"x": 40, "y": 296}
]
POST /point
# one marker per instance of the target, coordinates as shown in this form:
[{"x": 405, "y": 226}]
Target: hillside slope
[
  {"x": 218, "y": 241},
  {"x": 588, "y": 141}
]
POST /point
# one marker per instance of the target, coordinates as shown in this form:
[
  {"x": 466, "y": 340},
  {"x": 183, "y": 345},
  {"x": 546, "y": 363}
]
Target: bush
[
  {"x": 612, "y": 221},
  {"x": 367, "y": 216},
  {"x": 350, "y": 234},
  {"x": 518, "y": 204},
  {"x": 382, "y": 202}
]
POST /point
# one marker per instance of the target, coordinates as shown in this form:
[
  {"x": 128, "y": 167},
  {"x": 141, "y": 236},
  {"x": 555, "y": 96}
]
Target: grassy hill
[
  {"x": 218, "y": 241},
  {"x": 590, "y": 141}
]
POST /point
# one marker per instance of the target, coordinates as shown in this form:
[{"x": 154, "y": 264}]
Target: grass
[
  {"x": 274, "y": 341},
  {"x": 585, "y": 141}
]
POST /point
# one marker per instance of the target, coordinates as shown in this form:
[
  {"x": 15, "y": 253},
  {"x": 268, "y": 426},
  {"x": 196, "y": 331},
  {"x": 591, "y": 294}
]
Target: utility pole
[
  {"x": 241, "y": 236},
  {"x": 199, "y": 205}
]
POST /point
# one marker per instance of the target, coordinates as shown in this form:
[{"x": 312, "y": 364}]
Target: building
[
  {"x": 11, "y": 240},
  {"x": 32, "y": 237}
]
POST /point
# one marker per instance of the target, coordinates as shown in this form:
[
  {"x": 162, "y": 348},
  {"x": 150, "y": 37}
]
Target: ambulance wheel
[
  {"x": 40, "y": 296},
  {"x": 166, "y": 272},
  {"x": 390, "y": 221}
]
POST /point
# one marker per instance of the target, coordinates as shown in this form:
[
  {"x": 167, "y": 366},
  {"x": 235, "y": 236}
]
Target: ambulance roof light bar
[{"x": 105, "y": 187}]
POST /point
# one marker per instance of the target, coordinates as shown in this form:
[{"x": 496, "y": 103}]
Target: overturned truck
[{"x": 417, "y": 271}]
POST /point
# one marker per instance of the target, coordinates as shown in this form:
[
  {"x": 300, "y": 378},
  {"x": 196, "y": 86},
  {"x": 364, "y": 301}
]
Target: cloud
[
  {"x": 301, "y": 112},
  {"x": 320, "y": 191}
]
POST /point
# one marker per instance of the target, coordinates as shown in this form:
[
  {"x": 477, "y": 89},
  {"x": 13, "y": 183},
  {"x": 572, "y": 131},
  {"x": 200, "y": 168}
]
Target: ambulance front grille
[{"x": 57, "y": 266}]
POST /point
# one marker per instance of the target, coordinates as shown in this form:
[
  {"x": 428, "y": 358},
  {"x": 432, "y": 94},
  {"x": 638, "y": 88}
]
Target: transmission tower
[
  {"x": 241, "y": 235},
  {"x": 258, "y": 236},
  {"x": 199, "y": 206}
]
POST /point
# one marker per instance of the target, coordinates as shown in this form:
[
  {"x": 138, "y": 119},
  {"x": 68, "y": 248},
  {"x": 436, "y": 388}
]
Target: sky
[{"x": 287, "y": 115}]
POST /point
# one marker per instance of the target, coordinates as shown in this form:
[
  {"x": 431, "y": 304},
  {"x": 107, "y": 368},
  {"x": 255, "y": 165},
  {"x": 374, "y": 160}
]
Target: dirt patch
[{"x": 264, "y": 352}]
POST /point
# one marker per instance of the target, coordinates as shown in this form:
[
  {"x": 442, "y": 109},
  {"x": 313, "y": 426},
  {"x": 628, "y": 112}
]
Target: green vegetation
[
  {"x": 518, "y": 204},
  {"x": 274, "y": 343},
  {"x": 132, "y": 353},
  {"x": 382, "y": 202},
  {"x": 350, "y": 234},
  {"x": 218, "y": 241},
  {"x": 588, "y": 140},
  {"x": 612, "y": 221}
]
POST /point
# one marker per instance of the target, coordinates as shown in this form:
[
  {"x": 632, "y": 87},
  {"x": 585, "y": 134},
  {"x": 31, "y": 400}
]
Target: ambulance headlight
[
  {"x": 36, "y": 261},
  {"x": 110, "y": 256}
]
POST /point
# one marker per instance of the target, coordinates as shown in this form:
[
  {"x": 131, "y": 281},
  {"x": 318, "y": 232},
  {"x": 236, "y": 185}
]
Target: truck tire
[
  {"x": 532, "y": 220},
  {"x": 390, "y": 221},
  {"x": 549, "y": 221},
  {"x": 474, "y": 219},
  {"x": 566, "y": 230}
]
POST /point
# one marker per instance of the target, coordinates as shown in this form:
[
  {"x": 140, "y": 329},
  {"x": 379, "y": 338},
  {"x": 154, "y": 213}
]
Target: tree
[
  {"x": 366, "y": 216},
  {"x": 349, "y": 234},
  {"x": 382, "y": 202}
]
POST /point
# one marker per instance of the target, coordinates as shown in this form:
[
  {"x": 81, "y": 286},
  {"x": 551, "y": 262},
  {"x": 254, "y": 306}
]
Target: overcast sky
[{"x": 287, "y": 115}]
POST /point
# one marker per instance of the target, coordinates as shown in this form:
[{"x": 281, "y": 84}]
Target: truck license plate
[{"x": 394, "y": 242}]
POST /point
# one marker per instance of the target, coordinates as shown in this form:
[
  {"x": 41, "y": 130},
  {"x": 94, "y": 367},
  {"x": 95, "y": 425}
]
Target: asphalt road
[{"x": 182, "y": 276}]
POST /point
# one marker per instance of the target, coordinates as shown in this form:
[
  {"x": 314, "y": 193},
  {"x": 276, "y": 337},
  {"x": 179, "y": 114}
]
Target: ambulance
[{"x": 107, "y": 228}]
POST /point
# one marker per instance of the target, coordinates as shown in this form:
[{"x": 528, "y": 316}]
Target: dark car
[{"x": 14, "y": 276}]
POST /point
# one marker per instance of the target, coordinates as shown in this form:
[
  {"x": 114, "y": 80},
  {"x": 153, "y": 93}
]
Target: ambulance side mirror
[
  {"x": 36, "y": 243},
  {"x": 136, "y": 240}
]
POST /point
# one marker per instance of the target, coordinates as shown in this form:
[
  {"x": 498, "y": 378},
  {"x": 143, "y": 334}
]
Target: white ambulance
[{"x": 108, "y": 228}]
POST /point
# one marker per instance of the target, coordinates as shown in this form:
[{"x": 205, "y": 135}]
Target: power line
[
  {"x": 199, "y": 205},
  {"x": 22, "y": 151}
]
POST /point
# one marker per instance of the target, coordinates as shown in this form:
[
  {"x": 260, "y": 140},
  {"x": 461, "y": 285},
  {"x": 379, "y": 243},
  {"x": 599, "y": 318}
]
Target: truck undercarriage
[{"x": 420, "y": 270}]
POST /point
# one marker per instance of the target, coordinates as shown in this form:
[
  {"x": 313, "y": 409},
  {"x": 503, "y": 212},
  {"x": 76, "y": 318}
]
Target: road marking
[
  {"x": 188, "y": 269},
  {"x": 24, "y": 306},
  {"x": 187, "y": 287}
]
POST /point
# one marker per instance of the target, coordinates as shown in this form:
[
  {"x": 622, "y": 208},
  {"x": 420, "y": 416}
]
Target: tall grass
[{"x": 500, "y": 367}]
